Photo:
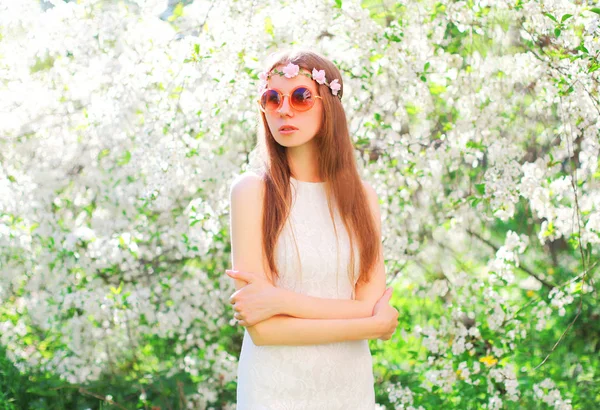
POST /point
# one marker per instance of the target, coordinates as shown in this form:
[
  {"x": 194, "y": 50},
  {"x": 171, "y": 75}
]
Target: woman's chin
[{"x": 291, "y": 141}]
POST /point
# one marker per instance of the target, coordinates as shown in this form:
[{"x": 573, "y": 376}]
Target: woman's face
[{"x": 307, "y": 122}]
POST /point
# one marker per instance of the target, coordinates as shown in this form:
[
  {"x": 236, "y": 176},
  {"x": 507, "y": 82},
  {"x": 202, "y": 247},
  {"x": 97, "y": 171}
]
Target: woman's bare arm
[
  {"x": 303, "y": 306},
  {"x": 286, "y": 330}
]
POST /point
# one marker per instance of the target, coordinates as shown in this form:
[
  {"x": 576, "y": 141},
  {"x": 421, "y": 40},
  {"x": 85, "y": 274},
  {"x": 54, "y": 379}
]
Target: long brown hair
[{"x": 337, "y": 167}]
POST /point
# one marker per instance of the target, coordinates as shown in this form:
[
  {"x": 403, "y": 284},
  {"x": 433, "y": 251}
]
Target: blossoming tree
[{"x": 478, "y": 123}]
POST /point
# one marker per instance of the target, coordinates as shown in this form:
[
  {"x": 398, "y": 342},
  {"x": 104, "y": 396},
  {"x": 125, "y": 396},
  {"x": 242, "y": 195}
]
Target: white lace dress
[{"x": 309, "y": 377}]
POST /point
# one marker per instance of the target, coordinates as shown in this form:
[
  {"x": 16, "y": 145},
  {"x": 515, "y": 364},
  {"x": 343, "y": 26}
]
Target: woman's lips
[{"x": 287, "y": 129}]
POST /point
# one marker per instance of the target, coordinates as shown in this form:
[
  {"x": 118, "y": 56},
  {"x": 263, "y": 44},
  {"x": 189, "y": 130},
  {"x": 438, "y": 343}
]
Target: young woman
[{"x": 295, "y": 225}]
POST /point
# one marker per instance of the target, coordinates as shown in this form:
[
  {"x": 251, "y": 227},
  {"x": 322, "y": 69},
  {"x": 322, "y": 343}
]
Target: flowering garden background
[{"x": 123, "y": 124}]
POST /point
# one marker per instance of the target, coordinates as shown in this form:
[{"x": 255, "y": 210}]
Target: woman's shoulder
[
  {"x": 248, "y": 184},
  {"x": 246, "y": 176}
]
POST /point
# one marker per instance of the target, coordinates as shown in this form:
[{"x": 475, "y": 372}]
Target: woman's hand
[
  {"x": 385, "y": 315},
  {"x": 256, "y": 301}
]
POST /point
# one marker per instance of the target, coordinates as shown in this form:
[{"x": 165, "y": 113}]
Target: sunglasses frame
[{"x": 283, "y": 97}]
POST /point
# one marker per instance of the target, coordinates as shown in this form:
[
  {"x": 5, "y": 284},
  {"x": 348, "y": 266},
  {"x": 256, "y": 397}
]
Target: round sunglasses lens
[
  {"x": 302, "y": 99},
  {"x": 270, "y": 100}
]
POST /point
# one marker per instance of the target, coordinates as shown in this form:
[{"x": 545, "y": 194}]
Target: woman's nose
[{"x": 285, "y": 106}]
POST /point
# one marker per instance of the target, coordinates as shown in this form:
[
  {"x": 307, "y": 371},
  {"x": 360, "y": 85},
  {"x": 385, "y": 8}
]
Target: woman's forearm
[
  {"x": 310, "y": 307},
  {"x": 286, "y": 330}
]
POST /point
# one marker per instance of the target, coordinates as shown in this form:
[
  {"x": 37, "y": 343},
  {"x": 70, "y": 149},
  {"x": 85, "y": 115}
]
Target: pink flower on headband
[
  {"x": 319, "y": 76},
  {"x": 291, "y": 70},
  {"x": 263, "y": 77},
  {"x": 335, "y": 86}
]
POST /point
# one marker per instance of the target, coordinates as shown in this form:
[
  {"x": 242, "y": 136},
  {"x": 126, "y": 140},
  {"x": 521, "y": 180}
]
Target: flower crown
[{"x": 292, "y": 70}]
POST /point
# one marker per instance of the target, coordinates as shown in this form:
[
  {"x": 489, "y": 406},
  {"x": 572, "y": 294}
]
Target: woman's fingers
[{"x": 238, "y": 274}]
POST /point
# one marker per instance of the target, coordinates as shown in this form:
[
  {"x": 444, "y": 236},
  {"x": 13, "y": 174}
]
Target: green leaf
[
  {"x": 565, "y": 17},
  {"x": 103, "y": 153},
  {"x": 125, "y": 159},
  {"x": 582, "y": 48},
  {"x": 595, "y": 10},
  {"x": 118, "y": 290},
  {"x": 178, "y": 11},
  {"x": 557, "y": 32},
  {"x": 473, "y": 200},
  {"x": 437, "y": 89},
  {"x": 269, "y": 26},
  {"x": 550, "y": 16},
  {"x": 338, "y": 4},
  {"x": 475, "y": 144},
  {"x": 480, "y": 188},
  {"x": 42, "y": 391},
  {"x": 375, "y": 57}
]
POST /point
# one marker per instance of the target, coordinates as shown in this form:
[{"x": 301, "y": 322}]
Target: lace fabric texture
[{"x": 310, "y": 377}]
